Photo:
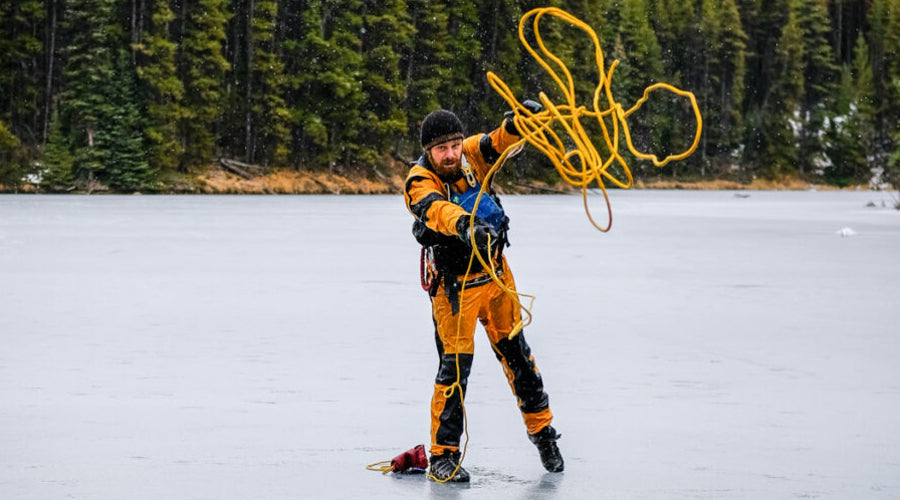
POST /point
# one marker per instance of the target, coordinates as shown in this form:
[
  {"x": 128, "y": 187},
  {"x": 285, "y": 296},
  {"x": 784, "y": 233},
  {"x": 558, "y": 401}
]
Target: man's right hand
[{"x": 486, "y": 237}]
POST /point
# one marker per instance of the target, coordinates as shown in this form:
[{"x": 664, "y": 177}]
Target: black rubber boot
[
  {"x": 545, "y": 440},
  {"x": 444, "y": 466}
]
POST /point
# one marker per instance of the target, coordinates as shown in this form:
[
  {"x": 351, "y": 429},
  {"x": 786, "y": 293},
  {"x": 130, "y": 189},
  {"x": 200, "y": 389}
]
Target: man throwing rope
[{"x": 440, "y": 192}]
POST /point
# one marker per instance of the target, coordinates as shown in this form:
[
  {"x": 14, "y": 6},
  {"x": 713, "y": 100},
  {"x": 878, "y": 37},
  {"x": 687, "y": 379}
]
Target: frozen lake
[{"x": 712, "y": 345}]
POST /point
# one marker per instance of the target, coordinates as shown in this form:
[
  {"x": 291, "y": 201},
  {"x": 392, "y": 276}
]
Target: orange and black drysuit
[{"x": 455, "y": 309}]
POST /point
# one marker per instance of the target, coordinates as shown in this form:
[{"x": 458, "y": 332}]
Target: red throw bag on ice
[{"x": 410, "y": 461}]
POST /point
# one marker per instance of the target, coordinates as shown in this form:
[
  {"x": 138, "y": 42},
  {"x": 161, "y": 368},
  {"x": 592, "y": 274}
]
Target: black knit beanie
[{"x": 440, "y": 126}]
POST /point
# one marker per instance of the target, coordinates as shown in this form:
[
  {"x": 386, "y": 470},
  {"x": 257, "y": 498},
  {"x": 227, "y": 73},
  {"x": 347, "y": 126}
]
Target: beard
[{"x": 449, "y": 169}]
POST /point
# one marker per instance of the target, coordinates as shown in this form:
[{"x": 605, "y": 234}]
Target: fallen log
[{"x": 238, "y": 168}]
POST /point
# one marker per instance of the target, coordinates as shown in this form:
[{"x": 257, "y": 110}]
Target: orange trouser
[{"x": 454, "y": 335}]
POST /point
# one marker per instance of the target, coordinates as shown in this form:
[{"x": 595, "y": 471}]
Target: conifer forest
[{"x": 133, "y": 94}]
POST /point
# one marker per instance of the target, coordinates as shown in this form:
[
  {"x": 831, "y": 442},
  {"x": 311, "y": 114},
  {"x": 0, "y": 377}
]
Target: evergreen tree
[
  {"x": 202, "y": 66},
  {"x": 158, "y": 73},
  {"x": 57, "y": 161},
  {"x": 256, "y": 123},
  {"x": 502, "y": 53},
  {"x": 878, "y": 21},
  {"x": 20, "y": 68},
  {"x": 574, "y": 47},
  {"x": 890, "y": 116},
  {"x": 11, "y": 170},
  {"x": 850, "y": 133},
  {"x": 120, "y": 134},
  {"x": 771, "y": 144},
  {"x": 641, "y": 60},
  {"x": 89, "y": 60},
  {"x": 458, "y": 90},
  {"x": 762, "y": 20},
  {"x": 268, "y": 134},
  {"x": 723, "y": 80},
  {"x": 675, "y": 23},
  {"x": 387, "y": 32},
  {"x": 326, "y": 83},
  {"x": 426, "y": 65},
  {"x": 640, "y": 65},
  {"x": 819, "y": 77},
  {"x": 90, "y": 104}
]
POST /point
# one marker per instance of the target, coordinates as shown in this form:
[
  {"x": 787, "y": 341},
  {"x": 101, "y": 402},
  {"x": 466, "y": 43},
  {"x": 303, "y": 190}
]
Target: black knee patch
[
  {"x": 527, "y": 382},
  {"x": 447, "y": 369}
]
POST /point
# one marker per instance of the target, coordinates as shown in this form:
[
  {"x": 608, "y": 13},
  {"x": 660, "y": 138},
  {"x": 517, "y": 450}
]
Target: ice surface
[{"x": 709, "y": 346}]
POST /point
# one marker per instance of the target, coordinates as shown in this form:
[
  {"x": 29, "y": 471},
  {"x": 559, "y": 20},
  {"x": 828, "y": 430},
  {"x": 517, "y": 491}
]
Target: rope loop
[{"x": 559, "y": 132}]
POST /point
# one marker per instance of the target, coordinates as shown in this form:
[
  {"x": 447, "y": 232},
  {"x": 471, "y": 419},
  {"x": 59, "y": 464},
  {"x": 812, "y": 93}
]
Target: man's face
[{"x": 445, "y": 157}]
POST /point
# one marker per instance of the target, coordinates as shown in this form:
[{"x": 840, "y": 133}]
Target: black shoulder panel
[
  {"x": 486, "y": 146},
  {"x": 420, "y": 209}
]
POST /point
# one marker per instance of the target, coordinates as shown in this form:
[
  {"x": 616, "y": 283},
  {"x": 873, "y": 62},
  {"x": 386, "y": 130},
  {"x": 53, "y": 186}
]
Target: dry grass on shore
[
  {"x": 789, "y": 184},
  {"x": 218, "y": 181}
]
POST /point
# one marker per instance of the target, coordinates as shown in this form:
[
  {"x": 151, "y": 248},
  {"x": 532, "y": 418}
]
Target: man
[{"x": 440, "y": 191}]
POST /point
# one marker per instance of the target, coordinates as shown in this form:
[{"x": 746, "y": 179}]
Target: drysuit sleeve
[
  {"x": 484, "y": 150},
  {"x": 426, "y": 199}
]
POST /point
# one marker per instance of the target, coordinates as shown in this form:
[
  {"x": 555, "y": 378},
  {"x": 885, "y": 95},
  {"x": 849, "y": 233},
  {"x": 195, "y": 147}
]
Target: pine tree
[
  {"x": 640, "y": 65},
  {"x": 762, "y": 21},
  {"x": 387, "y": 32},
  {"x": 57, "y": 173},
  {"x": 256, "y": 121},
  {"x": 89, "y": 71},
  {"x": 158, "y": 72},
  {"x": 891, "y": 101},
  {"x": 675, "y": 23},
  {"x": 571, "y": 45},
  {"x": 268, "y": 134},
  {"x": 326, "y": 97},
  {"x": 202, "y": 67},
  {"x": 502, "y": 53},
  {"x": 771, "y": 142},
  {"x": 723, "y": 82},
  {"x": 820, "y": 76},
  {"x": 458, "y": 90},
  {"x": 20, "y": 70},
  {"x": 11, "y": 170},
  {"x": 120, "y": 134},
  {"x": 733, "y": 69},
  {"x": 641, "y": 62},
  {"x": 879, "y": 43},
  {"x": 850, "y": 132},
  {"x": 426, "y": 65}
]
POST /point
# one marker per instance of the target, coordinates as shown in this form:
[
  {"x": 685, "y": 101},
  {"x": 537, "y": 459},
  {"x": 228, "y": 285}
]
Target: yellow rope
[
  {"x": 383, "y": 467},
  {"x": 537, "y": 130}
]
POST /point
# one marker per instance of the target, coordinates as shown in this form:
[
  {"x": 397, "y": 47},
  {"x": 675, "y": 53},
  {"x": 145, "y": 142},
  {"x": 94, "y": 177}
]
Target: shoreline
[{"x": 216, "y": 180}]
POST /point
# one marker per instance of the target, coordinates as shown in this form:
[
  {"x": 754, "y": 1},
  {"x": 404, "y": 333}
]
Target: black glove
[
  {"x": 484, "y": 234},
  {"x": 533, "y": 106}
]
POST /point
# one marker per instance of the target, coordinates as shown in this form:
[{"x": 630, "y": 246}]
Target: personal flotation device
[{"x": 445, "y": 258}]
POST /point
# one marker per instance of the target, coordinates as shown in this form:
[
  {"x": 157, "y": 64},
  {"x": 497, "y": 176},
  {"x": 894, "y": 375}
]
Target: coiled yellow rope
[{"x": 537, "y": 129}]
